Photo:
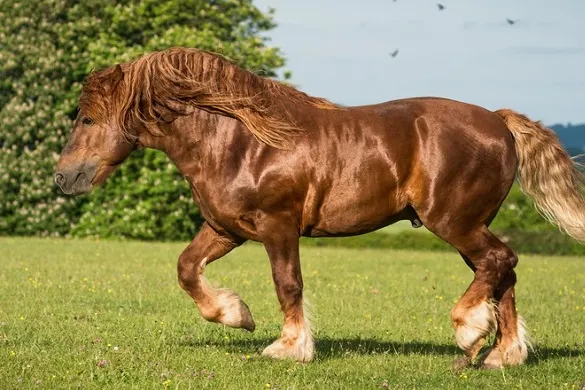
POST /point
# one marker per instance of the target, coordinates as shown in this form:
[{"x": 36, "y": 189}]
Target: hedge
[{"x": 47, "y": 47}]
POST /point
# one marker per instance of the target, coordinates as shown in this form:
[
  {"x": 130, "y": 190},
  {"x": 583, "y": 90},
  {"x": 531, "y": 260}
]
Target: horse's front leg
[
  {"x": 222, "y": 305},
  {"x": 281, "y": 240}
]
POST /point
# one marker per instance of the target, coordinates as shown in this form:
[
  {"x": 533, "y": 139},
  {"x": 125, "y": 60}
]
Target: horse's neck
[
  {"x": 192, "y": 140},
  {"x": 206, "y": 139}
]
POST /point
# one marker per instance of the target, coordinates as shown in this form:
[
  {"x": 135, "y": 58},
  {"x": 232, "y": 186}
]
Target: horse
[{"x": 269, "y": 163}]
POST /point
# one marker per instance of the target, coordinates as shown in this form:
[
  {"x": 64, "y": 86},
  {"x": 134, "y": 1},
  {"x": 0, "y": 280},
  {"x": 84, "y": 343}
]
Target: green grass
[
  {"x": 402, "y": 226},
  {"x": 381, "y": 315}
]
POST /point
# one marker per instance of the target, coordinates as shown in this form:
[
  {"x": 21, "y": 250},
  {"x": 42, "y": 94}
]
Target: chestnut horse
[{"x": 269, "y": 163}]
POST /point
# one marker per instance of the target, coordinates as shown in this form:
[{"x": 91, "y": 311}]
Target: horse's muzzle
[{"x": 76, "y": 181}]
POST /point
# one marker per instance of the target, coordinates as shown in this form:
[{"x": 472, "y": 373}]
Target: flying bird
[
  {"x": 441, "y": 6},
  {"x": 394, "y": 53},
  {"x": 510, "y": 21}
]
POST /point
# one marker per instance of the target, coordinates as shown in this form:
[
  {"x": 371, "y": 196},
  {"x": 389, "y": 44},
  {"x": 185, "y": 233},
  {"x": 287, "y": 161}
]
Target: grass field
[{"x": 68, "y": 307}]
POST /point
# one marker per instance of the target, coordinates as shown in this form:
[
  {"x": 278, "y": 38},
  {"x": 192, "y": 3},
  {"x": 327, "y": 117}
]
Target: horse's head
[{"x": 98, "y": 143}]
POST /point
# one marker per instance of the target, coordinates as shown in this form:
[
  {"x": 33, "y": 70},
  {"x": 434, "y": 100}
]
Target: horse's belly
[{"x": 342, "y": 215}]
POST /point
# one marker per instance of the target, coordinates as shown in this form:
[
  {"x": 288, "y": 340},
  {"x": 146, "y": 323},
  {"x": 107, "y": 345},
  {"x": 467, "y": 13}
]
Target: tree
[{"x": 47, "y": 47}]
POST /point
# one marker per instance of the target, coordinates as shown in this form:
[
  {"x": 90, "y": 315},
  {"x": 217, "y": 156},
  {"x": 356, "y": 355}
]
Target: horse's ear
[
  {"x": 118, "y": 74},
  {"x": 116, "y": 77}
]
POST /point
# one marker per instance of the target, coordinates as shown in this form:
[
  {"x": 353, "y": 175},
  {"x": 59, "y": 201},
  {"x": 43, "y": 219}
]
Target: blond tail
[{"x": 548, "y": 174}]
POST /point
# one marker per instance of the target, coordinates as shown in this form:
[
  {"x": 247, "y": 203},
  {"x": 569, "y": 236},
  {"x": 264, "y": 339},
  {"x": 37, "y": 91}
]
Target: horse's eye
[{"x": 87, "y": 121}]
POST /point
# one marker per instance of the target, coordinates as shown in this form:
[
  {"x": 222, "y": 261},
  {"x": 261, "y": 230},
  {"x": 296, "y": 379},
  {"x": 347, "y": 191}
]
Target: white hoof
[
  {"x": 301, "y": 351},
  {"x": 511, "y": 353},
  {"x": 233, "y": 311},
  {"x": 296, "y": 342}
]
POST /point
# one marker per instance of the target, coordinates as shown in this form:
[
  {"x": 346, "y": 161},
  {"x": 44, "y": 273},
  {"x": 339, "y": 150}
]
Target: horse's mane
[{"x": 163, "y": 85}]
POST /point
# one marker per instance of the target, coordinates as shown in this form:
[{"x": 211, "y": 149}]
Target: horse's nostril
[{"x": 59, "y": 178}]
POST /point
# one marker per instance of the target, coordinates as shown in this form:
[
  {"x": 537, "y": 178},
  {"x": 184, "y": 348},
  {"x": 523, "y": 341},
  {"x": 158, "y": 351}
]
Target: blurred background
[{"x": 526, "y": 55}]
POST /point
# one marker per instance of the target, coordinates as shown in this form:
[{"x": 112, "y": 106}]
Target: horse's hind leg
[
  {"x": 222, "y": 305},
  {"x": 511, "y": 344},
  {"x": 474, "y": 316}
]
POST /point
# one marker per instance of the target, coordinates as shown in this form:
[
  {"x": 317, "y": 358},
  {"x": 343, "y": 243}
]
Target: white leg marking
[
  {"x": 517, "y": 352},
  {"x": 295, "y": 342},
  {"x": 202, "y": 265},
  {"x": 223, "y": 305},
  {"x": 509, "y": 353},
  {"x": 234, "y": 312},
  {"x": 478, "y": 323}
]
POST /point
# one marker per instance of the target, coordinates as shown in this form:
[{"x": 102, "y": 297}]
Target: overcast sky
[{"x": 339, "y": 49}]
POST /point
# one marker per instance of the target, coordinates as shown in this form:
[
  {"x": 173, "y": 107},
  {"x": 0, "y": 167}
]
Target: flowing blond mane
[{"x": 163, "y": 85}]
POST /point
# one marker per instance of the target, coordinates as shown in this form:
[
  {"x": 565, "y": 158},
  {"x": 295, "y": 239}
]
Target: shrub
[{"x": 46, "y": 49}]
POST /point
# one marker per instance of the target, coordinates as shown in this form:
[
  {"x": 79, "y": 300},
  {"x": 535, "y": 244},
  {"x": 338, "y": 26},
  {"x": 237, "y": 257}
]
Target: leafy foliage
[
  {"x": 521, "y": 241},
  {"x": 518, "y": 212},
  {"x": 46, "y": 49}
]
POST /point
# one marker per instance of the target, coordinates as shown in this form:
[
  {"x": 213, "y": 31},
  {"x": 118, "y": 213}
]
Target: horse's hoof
[
  {"x": 494, "y": 358},
  {"x": 288, "y": 349},
  {"x": 490, "y": 359},
  {"x": 234, "y": 312}
]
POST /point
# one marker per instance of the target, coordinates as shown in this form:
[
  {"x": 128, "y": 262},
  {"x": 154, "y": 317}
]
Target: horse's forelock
[{"x": 96, "y": 95}]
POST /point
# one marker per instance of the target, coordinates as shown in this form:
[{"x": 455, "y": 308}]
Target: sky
[{"x": 340, "y": 50}]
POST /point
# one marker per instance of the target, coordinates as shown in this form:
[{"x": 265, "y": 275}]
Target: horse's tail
[{"x": 547, "y": 174}]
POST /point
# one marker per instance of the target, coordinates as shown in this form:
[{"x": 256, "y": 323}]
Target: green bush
[
  {"x": 518, "y": 212},
  {"x": 46, "y": 49},
  {"x": 521, "y": 241},
  {"x": 541, "y": 242},
  {"x": 403, "y": 240}
]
